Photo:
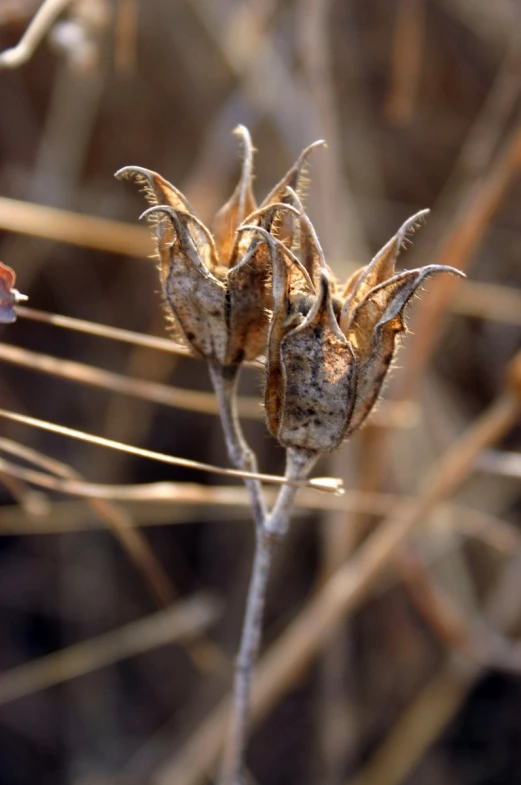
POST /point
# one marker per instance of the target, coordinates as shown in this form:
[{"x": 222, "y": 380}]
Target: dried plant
[
  {"x": 239, "y": 291},
  {"x": 9, "y": 296},
  {"x": 253, "y": 289}
]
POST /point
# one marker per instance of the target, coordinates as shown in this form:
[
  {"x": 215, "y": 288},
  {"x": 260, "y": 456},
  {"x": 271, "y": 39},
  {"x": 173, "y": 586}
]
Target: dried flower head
[
  {"x": 218, "y": 283},
  {"x": 9, "y": 296},
  {"x": 329, "y": 349}
]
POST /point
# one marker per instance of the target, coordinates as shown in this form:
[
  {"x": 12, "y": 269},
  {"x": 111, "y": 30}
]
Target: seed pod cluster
[
  {"x": 217, "y": 283},
  {"x": 258, "y": 284},
  {"x": 330, "y": 347}
]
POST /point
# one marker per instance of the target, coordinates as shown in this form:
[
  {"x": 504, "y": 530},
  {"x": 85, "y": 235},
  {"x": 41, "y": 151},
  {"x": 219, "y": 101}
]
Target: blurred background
[{"x": 420, "y": 103}]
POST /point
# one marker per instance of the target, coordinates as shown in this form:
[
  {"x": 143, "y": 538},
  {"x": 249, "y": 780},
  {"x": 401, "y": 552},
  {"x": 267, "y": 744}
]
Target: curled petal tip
[
  {"x": 130, "y": 171},
  {"x": 413, "y": 222},
  {"x": 272, "y": 208},
  {"x": 318, "y": 143},
  {"x": 244, "y": 135},
  {"x": 410, "y": 225},
  {"x": 417, "y": 217},
  {"x": 270, "y": 241},
  {"x": 295, "y": 199},
  {"x": 304, "y": 155},
  {"x": 436, "y": 268},
  {"x": 241, "y": 130},
  {"x": 445, "y": 268},
  {"x": 156, "y": 208},
  {"x": 121, "y": 173},
  {"x": 454, "y": 270},
  {"x": 309, "y": 149}
]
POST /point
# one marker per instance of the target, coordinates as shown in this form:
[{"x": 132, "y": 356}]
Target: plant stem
[
  {"x": 224, "y": 380},
  {"x": 274, "y": 526},
  {"x": 233, "y": 761},
  {"x": 298, "y": 466}
]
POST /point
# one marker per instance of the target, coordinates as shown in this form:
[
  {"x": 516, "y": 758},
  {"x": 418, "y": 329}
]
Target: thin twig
[
  {"x": 44, "y": 18},
  {"x": 329, "y": 485},
  {"x": 181, "y": 622},
  {"x": 151, "y": 505}
]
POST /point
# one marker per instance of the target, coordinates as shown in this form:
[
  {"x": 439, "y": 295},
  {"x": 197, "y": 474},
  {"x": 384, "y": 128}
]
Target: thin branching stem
[
  {"x": 224, "y": 380},
  {"x": 233, "y": 761},
  {"x": 272, "y": 528},
  {"x": 298, "y": 465}
]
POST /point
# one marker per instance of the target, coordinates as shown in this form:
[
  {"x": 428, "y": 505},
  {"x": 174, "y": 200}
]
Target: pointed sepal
[
  {"x": 318, "y": 379},
  {"x": 196, "y": 297},
  {"x": 239, "y": 206},
  {"x": 374, "y": 328}
]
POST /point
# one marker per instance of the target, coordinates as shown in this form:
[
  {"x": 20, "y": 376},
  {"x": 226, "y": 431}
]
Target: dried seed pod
[
  {"x": 9, "y": 296},
  {"x": 218, "y": 284},
  {"x": 328, "y": 355}
]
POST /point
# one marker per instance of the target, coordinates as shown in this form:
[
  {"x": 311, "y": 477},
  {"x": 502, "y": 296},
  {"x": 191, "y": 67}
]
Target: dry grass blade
[
  {"x": 437, "y": 703},
  {"x": 416, "y": 729},
  {"x": 156, "y": 491},
  {"x": 488, "y": 301},
  {"x": 390, "y": 414},
  {"x": 326, "y": 484},
  {"x": 117, "y": 520},
  {"x": 64, "y": 226},
  {"x": 30, "y": 502},
  {"x": 407, "y": 59},
  {"x": 477, "y": 210},
  {"x": 103, "y": 331},
  {"x": 190, "y": 400},
  {"x": 182, "y": 622},
  {"x": 507, "y": 464},
  {"x": 193, "y": 501},
  {"x": 340, "y": 595},
  {"x": 474, "y": 639},
  {"x": 126, "y": 32}
]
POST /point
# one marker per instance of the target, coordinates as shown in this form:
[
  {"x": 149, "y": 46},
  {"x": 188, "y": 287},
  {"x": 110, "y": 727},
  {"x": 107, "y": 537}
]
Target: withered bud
[
  {"x": 329, "y": 349},
  {"x": 9, "y": 296},
  {"x": 218, "y": 283}
]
